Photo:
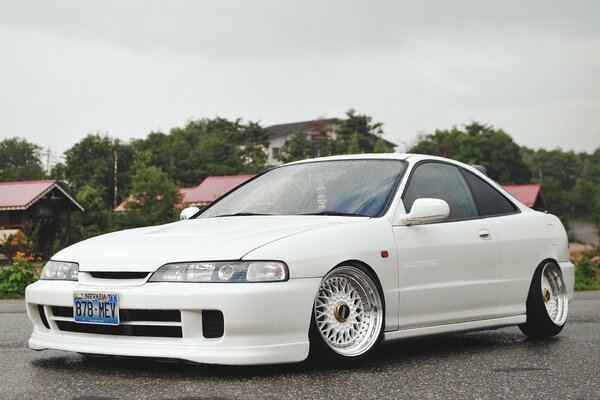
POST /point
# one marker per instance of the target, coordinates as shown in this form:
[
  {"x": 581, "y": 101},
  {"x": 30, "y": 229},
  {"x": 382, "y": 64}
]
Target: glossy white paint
[
  {"x": 226, "y": 238},
  {"x": 425, "y": 211},
  {"x": 439, "y": 277},
  {"x": 448, "y": 273},
  {"x": 258, "y": 329}
]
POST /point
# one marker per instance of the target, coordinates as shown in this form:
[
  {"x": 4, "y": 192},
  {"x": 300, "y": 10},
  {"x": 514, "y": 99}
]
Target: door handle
[{"x": 485, "y": 234}]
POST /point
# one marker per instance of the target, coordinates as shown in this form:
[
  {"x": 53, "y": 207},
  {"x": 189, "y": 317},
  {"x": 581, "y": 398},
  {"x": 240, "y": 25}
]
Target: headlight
[
  {"x": 227, "y": 271},
  {"x": 60, "y": 270}
]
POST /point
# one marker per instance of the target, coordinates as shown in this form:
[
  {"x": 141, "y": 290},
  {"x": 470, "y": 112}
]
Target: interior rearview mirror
[{"x": 188, "y": 212}]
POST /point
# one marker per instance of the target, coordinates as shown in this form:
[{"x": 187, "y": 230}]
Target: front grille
[
  {"x": 43, "y": 316},
  {"x": 122, "y": 330},
  {"x": 212, "y": 324},
  {"x": 119, "y": 275},
  {"x": 62, "y": 311},
  {"x": 136, "y": 322},
  {"x": 150, "y": 315},
  {"x": 131, "y": 323},
  {"x": 127, "y": 315}
]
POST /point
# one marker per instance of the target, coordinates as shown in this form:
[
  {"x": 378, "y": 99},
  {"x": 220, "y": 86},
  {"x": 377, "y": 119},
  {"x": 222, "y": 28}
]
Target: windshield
[{"x": 343, "y": 187}]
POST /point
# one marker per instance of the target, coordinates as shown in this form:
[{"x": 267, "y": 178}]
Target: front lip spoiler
[{"x": 205, "y": 354}]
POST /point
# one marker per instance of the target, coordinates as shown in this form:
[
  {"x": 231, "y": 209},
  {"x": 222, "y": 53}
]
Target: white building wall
[{"x": 275, "y": 144}]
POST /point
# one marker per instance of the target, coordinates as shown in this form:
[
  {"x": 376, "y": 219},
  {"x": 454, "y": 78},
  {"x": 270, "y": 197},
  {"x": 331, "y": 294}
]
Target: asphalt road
[{"x": 491, "y": 364}]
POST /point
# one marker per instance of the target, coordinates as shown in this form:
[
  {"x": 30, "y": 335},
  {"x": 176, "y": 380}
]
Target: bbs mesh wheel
[
  {"x": 347, "y": 319},
  {"x": 547, "y": 303}
]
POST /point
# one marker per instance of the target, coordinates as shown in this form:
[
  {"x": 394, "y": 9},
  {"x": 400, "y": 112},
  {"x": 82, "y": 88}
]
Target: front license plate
[{"x": 96, "y": 308}]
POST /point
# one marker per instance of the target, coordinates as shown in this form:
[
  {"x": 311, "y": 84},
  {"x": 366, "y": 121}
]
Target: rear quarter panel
[{"x": 528, "y": 239}]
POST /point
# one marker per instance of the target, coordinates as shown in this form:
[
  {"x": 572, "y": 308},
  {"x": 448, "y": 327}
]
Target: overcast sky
[{"x": 532, "y": 68}]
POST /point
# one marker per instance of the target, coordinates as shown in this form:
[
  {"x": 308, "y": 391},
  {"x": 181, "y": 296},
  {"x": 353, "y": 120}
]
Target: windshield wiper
[
  {"x": 337, "y": 213},
  {"x": 239, "y": 214}
]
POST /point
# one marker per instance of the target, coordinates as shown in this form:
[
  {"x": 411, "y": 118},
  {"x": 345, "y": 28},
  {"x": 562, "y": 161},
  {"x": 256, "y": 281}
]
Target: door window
[
  {"x": 441, "y": 181},
  {"x": 489, "y": 201}
]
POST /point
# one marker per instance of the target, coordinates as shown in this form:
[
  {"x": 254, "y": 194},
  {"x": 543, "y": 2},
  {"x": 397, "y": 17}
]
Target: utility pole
[
  {"x": 116, "y": 178},
  {"x": 48, "y": 161}
]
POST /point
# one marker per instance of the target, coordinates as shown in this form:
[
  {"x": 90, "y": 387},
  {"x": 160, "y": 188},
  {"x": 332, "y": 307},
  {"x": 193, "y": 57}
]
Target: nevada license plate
[{"x": 96, "y": 308}]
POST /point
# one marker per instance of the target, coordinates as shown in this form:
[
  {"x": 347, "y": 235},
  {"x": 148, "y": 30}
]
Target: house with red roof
[
  {"x": 42, "y": 202},
  {"x": 182, "y": 191},
  {"x": 530, "y": 195},
  {"x": 210, "y": 189}
]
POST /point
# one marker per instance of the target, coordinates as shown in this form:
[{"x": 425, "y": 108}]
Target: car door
[
  {"x": 449, "y": 271},
  {"x": 520, "y": 249}
]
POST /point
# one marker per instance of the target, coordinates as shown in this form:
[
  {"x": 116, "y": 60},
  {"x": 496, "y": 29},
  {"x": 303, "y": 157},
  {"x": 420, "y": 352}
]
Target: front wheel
[
  {"x": 547, "y": 303},
  {"x": 347, "y": 320}
]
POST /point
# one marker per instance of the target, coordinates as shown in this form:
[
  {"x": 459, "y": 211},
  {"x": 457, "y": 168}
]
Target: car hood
[{"x": 206, "y": 239}]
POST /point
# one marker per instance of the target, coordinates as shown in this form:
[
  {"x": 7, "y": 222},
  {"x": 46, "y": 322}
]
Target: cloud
[
  {"x": 129, "y": 67},
  {"x": 270, "y": 28}
]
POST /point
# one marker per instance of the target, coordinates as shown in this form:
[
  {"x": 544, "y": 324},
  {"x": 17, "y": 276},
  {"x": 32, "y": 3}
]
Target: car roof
[
  {"x": 380, "y": 156},
  {"x": 364, "y": 156},
  {"x": 414, "y": 158}
]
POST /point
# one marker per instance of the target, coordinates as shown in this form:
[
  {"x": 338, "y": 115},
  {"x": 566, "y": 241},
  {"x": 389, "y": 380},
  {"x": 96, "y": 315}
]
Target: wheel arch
[
  {"x": 544, "y": 261},
  {"x": 367, "y": 268},
  {"x": 317, "y": 344},
  {"x": 538, "y": 266},
  {"x": 540, "y": 323}
]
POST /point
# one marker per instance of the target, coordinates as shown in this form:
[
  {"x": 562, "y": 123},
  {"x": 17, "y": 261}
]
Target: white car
[{"x": 328, "y": 256}]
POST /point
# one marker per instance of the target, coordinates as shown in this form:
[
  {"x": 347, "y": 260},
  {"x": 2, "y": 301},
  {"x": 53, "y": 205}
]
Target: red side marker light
[{"x": 385, "y": 254}]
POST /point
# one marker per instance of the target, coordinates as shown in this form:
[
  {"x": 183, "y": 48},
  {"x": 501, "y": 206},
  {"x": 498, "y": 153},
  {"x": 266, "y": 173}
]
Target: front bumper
[{"x": 264, "y": 323}]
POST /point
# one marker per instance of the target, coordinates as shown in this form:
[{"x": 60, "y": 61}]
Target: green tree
[
  {"x": 298, "y": 147},
  {"x": 205, "y": 147},
  {"x": 320, "y": 136},
  {"x": 247, "y": 144},
  {"x": 478, "y": 144},
  {"x": 380, "y": 146},
  {"x": 354, "y": 144},
  {"x": 316, "y": 141},
  {"x": 215, "y": 155},
  {"x": 358, "y": 128},
  {"x": 91, "y": 162},
  {"x": 153, "y": 198},
  {"x": 162, "y": 151},
  {"x": 558, "y": 172},
  {"x": 591, "y": 175},
  {"x": 20, "y": 160},
  {"x": 563, "y": 166},
  {"x": 95, "y": 220},
  {"x": 442, "y": 143}
]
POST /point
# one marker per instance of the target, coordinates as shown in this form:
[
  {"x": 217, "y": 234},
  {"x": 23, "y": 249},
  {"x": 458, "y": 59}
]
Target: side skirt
[{"x": 455, "y": 328}]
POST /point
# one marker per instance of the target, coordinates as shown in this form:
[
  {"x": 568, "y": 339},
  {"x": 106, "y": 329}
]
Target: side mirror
[
  {"x": 427, "y": 210},
  {"x": 187, "y": 212}
]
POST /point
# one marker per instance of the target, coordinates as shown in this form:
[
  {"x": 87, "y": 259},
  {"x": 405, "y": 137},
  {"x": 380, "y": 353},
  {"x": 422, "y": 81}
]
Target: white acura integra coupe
[{"x": 328, "y": 256}]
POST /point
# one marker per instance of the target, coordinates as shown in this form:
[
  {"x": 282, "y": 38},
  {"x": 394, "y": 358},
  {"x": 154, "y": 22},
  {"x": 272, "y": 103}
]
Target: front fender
[{"x": 313, "y": 253}]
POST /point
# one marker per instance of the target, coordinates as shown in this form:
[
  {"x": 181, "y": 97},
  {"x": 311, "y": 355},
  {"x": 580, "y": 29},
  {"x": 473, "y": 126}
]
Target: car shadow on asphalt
[{"x": 386, "y": 356}]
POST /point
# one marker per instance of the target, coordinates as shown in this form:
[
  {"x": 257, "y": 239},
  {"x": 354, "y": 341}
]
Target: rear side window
[
  {"x": 441, "y": 181},
  {"x": 489, "y": 201}
]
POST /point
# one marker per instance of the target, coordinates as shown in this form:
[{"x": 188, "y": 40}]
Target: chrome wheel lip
[
  {"x": 554, "y": 294},
  {"x": 356, "y": 334}
]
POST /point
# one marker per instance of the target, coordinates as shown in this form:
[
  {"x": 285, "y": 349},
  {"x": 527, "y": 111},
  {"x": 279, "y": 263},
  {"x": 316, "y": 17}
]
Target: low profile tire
[
  {"x": 547, "y": 303},
  {"x": 347, "y": 317}
]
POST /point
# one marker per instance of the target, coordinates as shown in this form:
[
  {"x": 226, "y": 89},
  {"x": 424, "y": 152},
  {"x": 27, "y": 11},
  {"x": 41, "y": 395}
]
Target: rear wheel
[
  {"x": 347, "y": 320},
  {"x": 547, "y": 303}
]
